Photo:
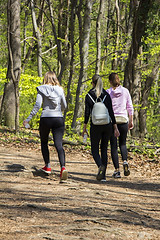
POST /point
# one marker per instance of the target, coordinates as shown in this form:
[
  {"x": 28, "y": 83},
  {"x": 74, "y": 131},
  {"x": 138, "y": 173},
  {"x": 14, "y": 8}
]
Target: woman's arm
[
  {"x": 116, "y": 131},
  {"x": 63, "y": 101},
  {"x": 130, "y": 124},
  {"x": 36, "y": 108}
]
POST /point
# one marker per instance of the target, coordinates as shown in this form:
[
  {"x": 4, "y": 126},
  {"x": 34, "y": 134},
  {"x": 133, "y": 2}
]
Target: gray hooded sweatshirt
[{"x": 53, "y": 100}]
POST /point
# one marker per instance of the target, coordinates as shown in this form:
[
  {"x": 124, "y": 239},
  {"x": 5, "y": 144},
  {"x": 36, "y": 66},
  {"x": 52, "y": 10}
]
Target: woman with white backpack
[{"x": 100, "y": 130}]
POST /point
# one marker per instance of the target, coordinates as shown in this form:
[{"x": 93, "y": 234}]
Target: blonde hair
[
  {"x": 114, "y": 79},
  {"x": 97, "y": 80},
  {"x": 50, "y": 78}
]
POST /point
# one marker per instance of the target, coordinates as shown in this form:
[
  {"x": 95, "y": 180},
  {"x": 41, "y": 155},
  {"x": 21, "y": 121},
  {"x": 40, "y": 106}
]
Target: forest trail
[{"x": 36, "y": 206}]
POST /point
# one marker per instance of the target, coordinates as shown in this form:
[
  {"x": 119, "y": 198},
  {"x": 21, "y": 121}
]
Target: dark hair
[{"x": 114, "y": 79}]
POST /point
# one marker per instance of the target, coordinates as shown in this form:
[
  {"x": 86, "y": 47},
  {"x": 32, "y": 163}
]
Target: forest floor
[{"x": 37, "y": 206}]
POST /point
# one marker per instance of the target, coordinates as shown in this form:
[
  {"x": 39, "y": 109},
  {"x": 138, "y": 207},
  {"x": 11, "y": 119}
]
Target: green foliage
[
  {"x": 3, "y": 34},
  {"x": 153, "y": 113},
  {"x": 29, "y": 81},
  {"x": 145, "y": 147},
  {"x": 28, "y": 93},
  {"x": 2, "y": 80}
]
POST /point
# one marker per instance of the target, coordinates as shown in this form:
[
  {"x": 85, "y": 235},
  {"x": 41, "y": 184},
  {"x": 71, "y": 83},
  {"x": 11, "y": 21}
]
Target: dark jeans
[
  {"x": 100, "y": 135},
  {"x": 123, "y": 129},
  {"x": 56, "y": 125}
]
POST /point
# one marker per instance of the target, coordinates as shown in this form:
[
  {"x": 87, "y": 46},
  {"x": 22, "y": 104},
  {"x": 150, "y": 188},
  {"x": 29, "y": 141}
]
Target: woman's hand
[
  {"x": 24, "y": 123},
  {"x": 130, "y": 123},
  {"x": 116, "y": 131},
  {"x": 84, "y": 130}
]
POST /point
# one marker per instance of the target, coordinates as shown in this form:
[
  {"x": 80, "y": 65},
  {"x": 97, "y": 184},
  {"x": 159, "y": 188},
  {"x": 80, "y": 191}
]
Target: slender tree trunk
[
  {"x": 24, "y": 33},
  {"x": 26, "y": 58},
  {"x": 130, "y": 20},
  {"x": 84, "y": 35},
  {"x": 71, "y": 40},
  {"x": 63, "y": 31},
  {"x": 39, "y": 40},
  {"x": 107, "y": 35},
  {"x": 58, "y": 43},
  {"x": 40, "y": 22},
  {"x": 115, "y": 59},
  {"x": 98, "y": 36}
]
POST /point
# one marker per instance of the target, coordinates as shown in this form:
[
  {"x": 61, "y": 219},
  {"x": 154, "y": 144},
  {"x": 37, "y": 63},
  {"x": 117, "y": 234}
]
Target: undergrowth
[{"x": 145, "y": 147}]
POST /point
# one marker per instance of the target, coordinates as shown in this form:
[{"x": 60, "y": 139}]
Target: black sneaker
[
  {"x": 101, "y": 173},
  {"x": 126, "y": 169},
  {"x": 116, "y": 174}
]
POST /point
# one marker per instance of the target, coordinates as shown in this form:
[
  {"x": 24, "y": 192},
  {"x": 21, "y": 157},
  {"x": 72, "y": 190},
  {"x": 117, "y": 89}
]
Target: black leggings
[
  {"x": 56, "y": 125},
  {"x": 100, "y": 135},
  {"x": 123, "y": 129}
]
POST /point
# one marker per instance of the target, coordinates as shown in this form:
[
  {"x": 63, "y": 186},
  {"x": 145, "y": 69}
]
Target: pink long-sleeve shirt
[{"x": 121, "y": 101}]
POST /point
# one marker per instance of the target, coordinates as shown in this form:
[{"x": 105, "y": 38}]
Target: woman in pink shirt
[{"x": 123, "y": 111}]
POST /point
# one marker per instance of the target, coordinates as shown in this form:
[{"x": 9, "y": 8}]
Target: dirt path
[{"x": 35, "y": 206}]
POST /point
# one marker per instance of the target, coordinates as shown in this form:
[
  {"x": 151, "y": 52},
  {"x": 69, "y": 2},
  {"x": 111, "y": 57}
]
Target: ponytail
[{"x": 97, "y": 80}]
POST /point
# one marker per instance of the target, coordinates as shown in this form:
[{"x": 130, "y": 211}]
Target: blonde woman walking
[
  {"x": 99, "y": 134},
  {"x": 51, "y": 95}
]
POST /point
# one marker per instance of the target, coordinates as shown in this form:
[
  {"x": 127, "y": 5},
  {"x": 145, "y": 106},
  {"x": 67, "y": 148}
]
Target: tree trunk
[
  {"x": 40, "y": 22},
  {"x": 26, "y": 58},
  {"x": 144, "y": 99},
  {"x": 24, "y": 33},
  {"x": 84, "y": 35},
  {"x": 39, "y": 41},
  {"x": 130, "y": 80},
  {"x": 115, "y": 60},
  {"x": 104, "y": 60},
  {"x": 98, "y": 36},
  {"x": 9, "y": 107},
  {"x": 59, "y": 49},
  {"x": 63, "y": 29},
  {"x": 129, "y": 21},
  {"x": 71, "y": 40},
  {"x": 11, "y": 90}
]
